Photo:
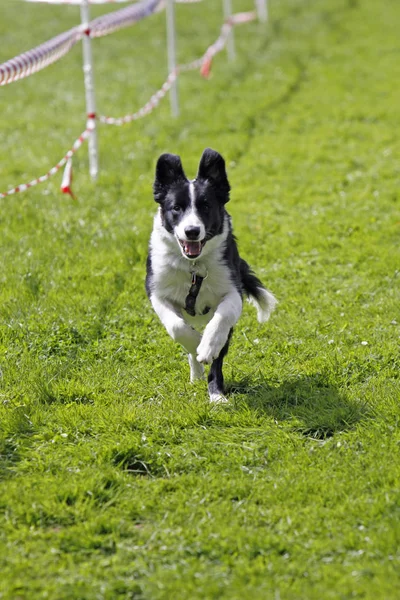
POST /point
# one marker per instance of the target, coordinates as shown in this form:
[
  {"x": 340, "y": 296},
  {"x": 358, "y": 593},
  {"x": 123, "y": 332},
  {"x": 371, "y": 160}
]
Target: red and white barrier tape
[
  {"x": 66, "y": 184},
  {"x": 148, "y": 107},
  {"x": 40, "y": 57},
  {"x": 49, "y": 52},
  {"x": 79, "y": 2},
  {"x": 220, "y": 43},
  {"x": 203, "y": 63},
  {"x": 122, "y": 18}
]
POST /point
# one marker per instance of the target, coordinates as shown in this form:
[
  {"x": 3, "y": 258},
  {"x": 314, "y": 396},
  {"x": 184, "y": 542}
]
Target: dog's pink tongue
[{"x": 192, "y": 248}]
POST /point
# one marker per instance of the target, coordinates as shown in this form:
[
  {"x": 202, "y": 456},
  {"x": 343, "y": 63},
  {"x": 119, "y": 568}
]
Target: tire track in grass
[
  {"x": 253, "y": 123},
  {"x": 254, "y": 120}
]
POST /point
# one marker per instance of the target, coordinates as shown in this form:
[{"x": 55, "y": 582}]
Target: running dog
[{"x": 195, "y": 277}]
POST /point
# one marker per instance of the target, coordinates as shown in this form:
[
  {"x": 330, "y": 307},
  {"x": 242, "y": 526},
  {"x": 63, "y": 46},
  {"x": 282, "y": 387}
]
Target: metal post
[
  {"x": 171, "y": 40},
  {"x": 262, "y": 10},
  {"x": 230, "y": 47},
  {"x": 89, "y": 89}
]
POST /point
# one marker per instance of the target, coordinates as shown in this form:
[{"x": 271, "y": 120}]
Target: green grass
[{"x": 118, "y": 479}]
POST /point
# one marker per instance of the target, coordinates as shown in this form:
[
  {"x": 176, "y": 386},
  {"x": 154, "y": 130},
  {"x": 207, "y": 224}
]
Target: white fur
[
  {"x": 196, "y": 369},
  {"x": 216, "y": 332},
  {"x": 172, "y": 274},
  {"x": 171, "y": 284},
  {"x": 218, "y": 399},
  {"x": 191, "y": 218},
  {"x": 265, "y": 304},
  {"x": 182, "y": 333}
]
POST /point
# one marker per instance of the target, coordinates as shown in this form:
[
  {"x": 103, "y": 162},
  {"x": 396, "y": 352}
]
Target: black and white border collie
[{"x": 195, "y": 276}]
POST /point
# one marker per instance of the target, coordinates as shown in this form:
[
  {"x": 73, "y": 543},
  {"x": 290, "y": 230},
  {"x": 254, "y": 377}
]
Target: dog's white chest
[
  {"x": 173, "y": 279},
  {"x": 172, "y": 274}
]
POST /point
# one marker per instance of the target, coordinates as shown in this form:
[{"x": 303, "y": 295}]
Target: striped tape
[
  {"x": 124, "y": 17},
  {"x": 49, "y": 52},
  {"x": 40, "y": 57},
  {"x": 79, "y": 2},
  {"x": 203, "y": 63},
  {"x": 75, "y": 147}
]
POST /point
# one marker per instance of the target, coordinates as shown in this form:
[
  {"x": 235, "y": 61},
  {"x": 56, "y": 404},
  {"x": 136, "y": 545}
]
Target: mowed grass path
[{"x": 118, "y": 479}]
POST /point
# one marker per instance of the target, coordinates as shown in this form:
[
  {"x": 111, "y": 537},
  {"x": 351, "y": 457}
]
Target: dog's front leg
[
  {"x": 180, "y": 331},
  {"x": 196, "y": 368},
  {"x": 217, "y": 331}
]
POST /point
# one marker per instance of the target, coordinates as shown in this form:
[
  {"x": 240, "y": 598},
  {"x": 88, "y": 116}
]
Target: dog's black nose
[{"x": 192, "y": 232}]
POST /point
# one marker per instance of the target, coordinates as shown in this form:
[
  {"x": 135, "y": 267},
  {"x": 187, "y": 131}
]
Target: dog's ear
[
  {"x": 169, "y": 170},
  {"x": 212, "y": 169}
]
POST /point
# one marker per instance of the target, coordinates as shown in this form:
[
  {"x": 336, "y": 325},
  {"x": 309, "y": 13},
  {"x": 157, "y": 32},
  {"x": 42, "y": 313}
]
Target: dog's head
[{"x": 193, "y": 211}]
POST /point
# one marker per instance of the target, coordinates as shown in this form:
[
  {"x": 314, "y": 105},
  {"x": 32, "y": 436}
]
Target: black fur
[
  {"x": 250, "y": 282},
  {"x": 241, "y": 273},
  {"x": 169, "y": 174},
  {"x": 149, "y": 275},
  {"x": 215, "y": 376},
  {"x": 212, "y": 170}
]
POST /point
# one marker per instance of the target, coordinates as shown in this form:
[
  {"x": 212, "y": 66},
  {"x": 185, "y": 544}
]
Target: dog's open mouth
[{"x": 192, "y": 249}]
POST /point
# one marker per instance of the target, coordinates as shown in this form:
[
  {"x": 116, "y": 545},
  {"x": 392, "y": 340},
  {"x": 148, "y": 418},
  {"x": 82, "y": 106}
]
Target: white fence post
[
  {"x": 89, "y": 90},
  {"x": 171, "y": 37},
  {"x": 230, "y": 47},
  {"x": 262, "y": 10}
]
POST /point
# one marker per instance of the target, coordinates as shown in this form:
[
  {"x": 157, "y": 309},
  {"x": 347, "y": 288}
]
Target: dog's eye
[
  {"x": 206, "y": 206},
  {"x": 176, "y": 208}
]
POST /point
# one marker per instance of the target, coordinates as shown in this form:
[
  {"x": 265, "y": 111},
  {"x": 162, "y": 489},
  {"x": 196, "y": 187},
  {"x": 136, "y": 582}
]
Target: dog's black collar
[{"x": 190, "y": 300}]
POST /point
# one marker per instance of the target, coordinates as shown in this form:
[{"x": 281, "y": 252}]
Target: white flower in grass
[{"x": 364, "y": 343}]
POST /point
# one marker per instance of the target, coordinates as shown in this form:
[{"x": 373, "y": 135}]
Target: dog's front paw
[
  {"x": 185, "y": 335},
  {"x": 218, "y": 399},
  {"x": 209, "y": 349}
]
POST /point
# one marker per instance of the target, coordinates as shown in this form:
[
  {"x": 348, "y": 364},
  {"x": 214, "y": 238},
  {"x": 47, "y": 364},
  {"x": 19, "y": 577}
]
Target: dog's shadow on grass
[{"x": 308, "y": 404}]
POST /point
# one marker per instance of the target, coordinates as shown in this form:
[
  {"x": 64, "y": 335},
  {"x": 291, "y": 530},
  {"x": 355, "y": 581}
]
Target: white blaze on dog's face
[
  {"x": 192, "y": 211},
  {"x": 190, "y": 230}
]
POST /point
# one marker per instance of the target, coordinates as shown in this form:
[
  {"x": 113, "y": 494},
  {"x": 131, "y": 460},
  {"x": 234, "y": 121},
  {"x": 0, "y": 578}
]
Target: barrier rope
[
  {"x": 66, "y": 186},
  {"x": 49, "y": 52},
  {"x": 203, "y": 63},
  {"x": 78, "y": 2},
  {"x": 122, "y": 18},
  {"x": 40, "y": 57}
]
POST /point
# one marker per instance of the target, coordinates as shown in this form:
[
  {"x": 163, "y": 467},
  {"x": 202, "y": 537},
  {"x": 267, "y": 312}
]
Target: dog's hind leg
[
  {"x": 196, "y": 368},
  {"x": 215, "y": 377}
]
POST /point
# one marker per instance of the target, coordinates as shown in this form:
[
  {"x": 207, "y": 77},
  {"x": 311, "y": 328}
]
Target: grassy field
[{"x": 118, "y": 478}]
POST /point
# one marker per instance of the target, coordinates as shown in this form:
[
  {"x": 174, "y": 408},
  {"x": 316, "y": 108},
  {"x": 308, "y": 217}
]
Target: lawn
[{"x": 119, "y": 480}]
